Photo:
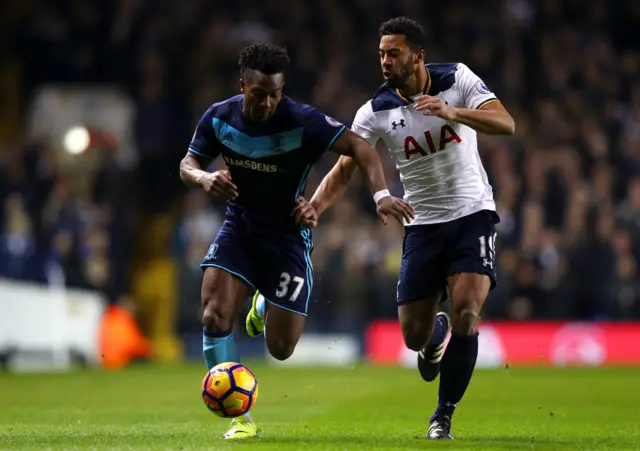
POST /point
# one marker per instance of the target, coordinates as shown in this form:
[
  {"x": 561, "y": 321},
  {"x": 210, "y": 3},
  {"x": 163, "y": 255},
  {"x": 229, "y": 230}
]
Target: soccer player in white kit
[{"x": 428, "y": 116}]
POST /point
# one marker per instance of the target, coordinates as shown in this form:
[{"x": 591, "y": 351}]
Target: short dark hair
[
  {"x": 266, "y": 58},
  {"x": 412, "y": 30}
]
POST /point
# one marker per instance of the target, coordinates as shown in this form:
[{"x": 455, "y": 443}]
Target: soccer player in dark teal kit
[{"x": 269, "y": 143}]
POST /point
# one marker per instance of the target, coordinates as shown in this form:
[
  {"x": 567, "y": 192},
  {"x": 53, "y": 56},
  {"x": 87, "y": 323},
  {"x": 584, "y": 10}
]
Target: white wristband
[{"x": 381, "y": 195}]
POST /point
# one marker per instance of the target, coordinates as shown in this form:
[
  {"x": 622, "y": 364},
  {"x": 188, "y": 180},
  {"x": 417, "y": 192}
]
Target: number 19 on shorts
[
  {"x": 488, "y": 255},
  {"x": 285, "y": 286}
]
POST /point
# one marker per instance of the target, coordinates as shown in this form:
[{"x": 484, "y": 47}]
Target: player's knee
[
  {"x": 281, "y": 349},
  {"x": 465, "y": 318},
  {"x": 215, "y": 319},
  {"x": 417, "y": 329}
]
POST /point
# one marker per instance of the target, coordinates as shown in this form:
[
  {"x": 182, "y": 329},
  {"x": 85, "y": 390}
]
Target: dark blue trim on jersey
[
  {"x": 257, "y": 146},
  {"x": 443, "y": 76},
  {"x": 386, "y": 98}
]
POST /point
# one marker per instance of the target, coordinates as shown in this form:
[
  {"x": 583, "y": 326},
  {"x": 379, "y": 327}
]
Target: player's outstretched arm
[
  {"x": 367, "y": 159},
  {"x": 329, "y": 190},
  {"x": 218, "y": 183},
  {"x": 333, "y": 184}
]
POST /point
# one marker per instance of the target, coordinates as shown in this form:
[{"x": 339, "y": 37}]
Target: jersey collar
[{"x": 427, "y": 87}]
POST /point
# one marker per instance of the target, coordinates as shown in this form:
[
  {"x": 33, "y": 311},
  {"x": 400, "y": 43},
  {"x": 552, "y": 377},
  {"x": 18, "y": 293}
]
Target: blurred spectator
[
  {"x": 17, "y": 240},
  {"x": 566, "y": 185}
]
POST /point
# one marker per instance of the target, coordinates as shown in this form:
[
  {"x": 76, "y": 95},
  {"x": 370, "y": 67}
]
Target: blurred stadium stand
[{"x": 138, "y": 75}]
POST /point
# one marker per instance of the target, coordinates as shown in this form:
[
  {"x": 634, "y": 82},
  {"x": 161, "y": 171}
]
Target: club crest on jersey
[
  {"x": 395, "y": 124},
  {"x": 277, "y": 143},
  {"x": 331, "y": 121},
  {"x": 211, "y": 255},
  {"x": 482, "y": 88}
]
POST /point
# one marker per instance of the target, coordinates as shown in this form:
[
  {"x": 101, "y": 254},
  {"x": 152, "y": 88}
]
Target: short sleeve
[
  {"x": 474, "y": 92},
  {"x": 364, "y": 124},
  {"x": 321, "y": 131},
  {"x": 204, "y": 142}
]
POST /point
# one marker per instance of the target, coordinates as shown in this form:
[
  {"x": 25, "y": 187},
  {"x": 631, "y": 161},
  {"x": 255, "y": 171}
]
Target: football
[{"x": 229, "y": 389}]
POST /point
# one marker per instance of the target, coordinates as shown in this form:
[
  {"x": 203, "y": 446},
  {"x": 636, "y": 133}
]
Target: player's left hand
[
  {"x": 433, "y": 106},
  {"x": 305, "y": 215},
  {"x": 398, "y": 208}
]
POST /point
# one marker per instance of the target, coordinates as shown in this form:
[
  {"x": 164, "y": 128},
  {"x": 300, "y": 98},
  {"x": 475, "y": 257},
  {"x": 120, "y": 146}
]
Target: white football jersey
[{"x": 438, "y": 160}]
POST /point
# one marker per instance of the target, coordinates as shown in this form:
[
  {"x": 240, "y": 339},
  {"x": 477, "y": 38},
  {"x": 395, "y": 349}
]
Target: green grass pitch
[{"x": 361, "y": 408}]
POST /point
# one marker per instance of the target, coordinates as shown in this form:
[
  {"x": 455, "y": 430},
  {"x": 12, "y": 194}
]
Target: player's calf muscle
[
  {"x": 280, "y": 348},
  {"x": 282, "y": 332},
  {"x": 417, "y": 336},
  {"x": 417, "y": 321},
  {"x": 222, "y": 297},
  {"x": 281, "y": 342}
]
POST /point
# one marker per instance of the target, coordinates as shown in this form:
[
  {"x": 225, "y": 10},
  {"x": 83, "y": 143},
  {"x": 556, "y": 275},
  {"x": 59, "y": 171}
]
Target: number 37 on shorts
[
  {"x": 290, "y": 290},
  {"x": 283, "y": 290}
]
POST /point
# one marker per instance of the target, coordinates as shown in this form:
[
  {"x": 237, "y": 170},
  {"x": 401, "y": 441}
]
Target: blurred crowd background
[{"x": 567, "y": 184}]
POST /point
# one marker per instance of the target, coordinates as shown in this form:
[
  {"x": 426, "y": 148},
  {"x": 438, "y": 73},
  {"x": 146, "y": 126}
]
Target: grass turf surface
[{"x": 359, "y": 408}]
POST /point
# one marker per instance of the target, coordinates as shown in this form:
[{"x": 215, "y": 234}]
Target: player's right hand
[
  {"x": 304, "y": 214},
  {"x": 219, "y": 184},
  {"x": 398, "y": 208}
]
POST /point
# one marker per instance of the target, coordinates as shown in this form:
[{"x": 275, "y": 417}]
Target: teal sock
[
  {"x": 260, "y": 305},
  {"x": 219, "y": 348}
]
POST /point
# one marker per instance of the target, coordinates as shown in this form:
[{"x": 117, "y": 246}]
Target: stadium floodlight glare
[{"x": 77, "y": 140}]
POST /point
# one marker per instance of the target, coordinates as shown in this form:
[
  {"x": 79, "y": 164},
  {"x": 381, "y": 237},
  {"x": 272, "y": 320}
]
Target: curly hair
[
  {"x": 412, "y": 30},
  {"x": 266, "y": 58}
]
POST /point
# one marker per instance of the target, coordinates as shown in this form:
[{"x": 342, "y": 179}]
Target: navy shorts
[
  {"x": 433, "y": 252},
  {"x": 278, "y": 264}
]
